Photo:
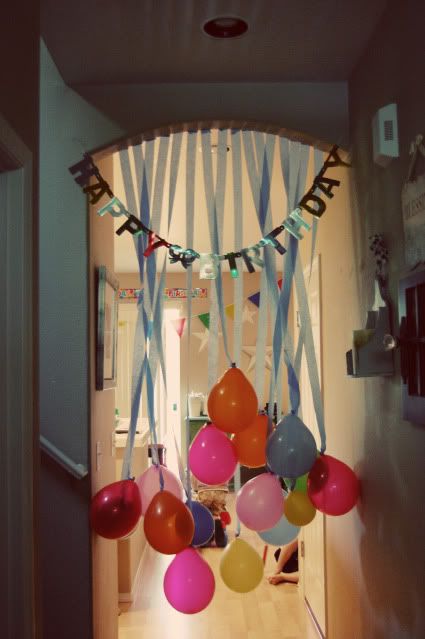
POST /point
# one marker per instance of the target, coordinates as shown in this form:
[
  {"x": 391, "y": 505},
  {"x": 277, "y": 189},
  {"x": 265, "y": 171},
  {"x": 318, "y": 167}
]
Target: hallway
[{"x": 272, "y": 612}]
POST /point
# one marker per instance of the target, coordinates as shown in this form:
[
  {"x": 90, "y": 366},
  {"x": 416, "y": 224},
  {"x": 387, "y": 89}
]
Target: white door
[
  {"x": 127, "y": 317},
  {"x": 312, "y": 536},
  {"x": 167, "y": 402}
]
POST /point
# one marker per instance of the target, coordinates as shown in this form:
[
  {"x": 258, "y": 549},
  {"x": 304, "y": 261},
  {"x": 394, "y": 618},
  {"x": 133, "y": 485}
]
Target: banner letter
[
  {"x": 251, "y": 255},
  {"x": 86, "y": 168},
  {"x": 110, "y": 208},
  {"x": 133, "y": 225},
  {"x": 310, "y": 197},
  {"x": 152, "y": 245},
  {"x": 294, "y": 222},
  {"x": 326, "y": 184},
  {"x": 208, "y": 268},
  {"x": 336, "y": 160}
]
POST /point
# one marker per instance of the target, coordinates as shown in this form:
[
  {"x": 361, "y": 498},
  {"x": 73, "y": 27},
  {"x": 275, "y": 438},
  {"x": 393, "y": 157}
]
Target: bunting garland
[
  {"x": 229, "y": 310},
  {"x": 313, "y": 202}
]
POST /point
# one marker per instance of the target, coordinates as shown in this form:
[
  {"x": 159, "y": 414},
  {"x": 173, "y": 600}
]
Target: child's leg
[{"x": 220, "y": 534}]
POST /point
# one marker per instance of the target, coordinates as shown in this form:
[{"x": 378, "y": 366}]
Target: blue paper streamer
[
  {"x": 215, "y": 206},
  {"x": 190, "y": 210}
]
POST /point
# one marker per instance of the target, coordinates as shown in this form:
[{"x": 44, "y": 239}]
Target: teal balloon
[
  {"x": 291, "y": 449},
  {"x": 281, "y": 534}
]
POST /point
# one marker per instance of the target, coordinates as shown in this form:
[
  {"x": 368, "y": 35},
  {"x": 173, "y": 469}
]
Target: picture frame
[{"x": 107, "y": 287}]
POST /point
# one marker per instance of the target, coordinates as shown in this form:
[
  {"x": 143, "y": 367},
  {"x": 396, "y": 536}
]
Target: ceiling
[
  {"x": 148, "y": 61},
  {"x": 105, "y": 42}
]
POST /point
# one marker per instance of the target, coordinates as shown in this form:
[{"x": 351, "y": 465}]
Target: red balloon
[
  {"x": 169, "y": 525},
  {"x": 116, "y": 509},
  {"x": 332, "y": 486}
]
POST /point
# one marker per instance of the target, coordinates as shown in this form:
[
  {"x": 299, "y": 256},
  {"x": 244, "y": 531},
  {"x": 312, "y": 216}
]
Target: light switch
[{"x": 98, "y": 454}]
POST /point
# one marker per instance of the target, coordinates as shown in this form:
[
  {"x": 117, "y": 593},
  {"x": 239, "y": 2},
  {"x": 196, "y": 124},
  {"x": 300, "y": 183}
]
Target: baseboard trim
[
  {"x": 128, "y": 597},
  {"x": 314, "y": 620}
]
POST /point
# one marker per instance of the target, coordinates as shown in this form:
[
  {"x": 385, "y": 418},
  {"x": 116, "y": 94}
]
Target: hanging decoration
[
  {"x": 179, "y": 325},
  {"x": 204, "y": 337},
  {"x": 241, "y": 567},
  {"x": 251, "y": 351},
  {"x": 181, "y": 293},
  {"x": 189, "y": 583},
  {"x": 250, "y": 443},
  {"x": 238, "y": 433},
  {"x": 169, "y": 293},
  {"x": 232, "y": 402},
  {"x": 116, "y": 509},
  {"x": 313, "y": 202},
  {"x": 168, "y": 524},
  {"x": 259, "y": 505},
  {"x": 148, "y": 484}
]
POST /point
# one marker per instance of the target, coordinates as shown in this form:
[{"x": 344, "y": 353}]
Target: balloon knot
[{"x": 233, "y": 364}]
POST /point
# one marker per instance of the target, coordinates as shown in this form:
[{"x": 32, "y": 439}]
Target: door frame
[
  {"x": 19, "y": 435},
  {"x": 316, "y": 265}
]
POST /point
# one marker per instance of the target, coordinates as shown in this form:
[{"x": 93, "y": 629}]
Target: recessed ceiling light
[{"x": 225, "y": 27}]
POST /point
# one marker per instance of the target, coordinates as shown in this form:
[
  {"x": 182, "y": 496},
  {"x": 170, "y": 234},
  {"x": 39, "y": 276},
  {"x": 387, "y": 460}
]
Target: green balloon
[{"x": 300, "y": 483}]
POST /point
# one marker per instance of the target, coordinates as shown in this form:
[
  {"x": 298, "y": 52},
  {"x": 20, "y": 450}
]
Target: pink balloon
[
  {"x": 212, "y": 456},
  {"x": 189, "y": 582},
  {"x": 332, "y": 486},
  {"x": 148, "y": 484},
  {"x": 259, "y": 504}
]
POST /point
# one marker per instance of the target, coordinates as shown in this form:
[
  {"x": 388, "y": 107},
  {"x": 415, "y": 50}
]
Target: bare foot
[{"x": 274, "y": 580}]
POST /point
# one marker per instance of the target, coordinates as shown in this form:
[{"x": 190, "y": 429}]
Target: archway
[{"x": 185, "y": 128}]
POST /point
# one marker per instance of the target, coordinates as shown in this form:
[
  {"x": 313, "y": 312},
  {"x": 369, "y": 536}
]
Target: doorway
[{"x": 167, "y": 400}]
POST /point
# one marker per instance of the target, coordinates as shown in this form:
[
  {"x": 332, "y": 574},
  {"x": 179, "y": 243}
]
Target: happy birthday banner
[
  {"x": 169, "y": 293},
  {"x": 313, "y": 202}
]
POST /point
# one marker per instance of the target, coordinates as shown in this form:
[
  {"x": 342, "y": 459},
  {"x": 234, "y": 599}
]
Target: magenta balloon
[
  {"x": 148, "y": 484},
  {"x": 189, "y": 582},
  {"x": 212, "y": 456},
  {"x": 259, "y": 504},
  {"x": 332, "y": 486}
]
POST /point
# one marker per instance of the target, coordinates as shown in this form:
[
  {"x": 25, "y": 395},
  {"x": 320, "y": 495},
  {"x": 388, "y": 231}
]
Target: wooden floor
[{"x": 269, "y": 612}]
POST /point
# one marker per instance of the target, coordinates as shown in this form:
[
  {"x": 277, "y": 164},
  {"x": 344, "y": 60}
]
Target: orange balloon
[
  {"x": 232, "y": 402},
  {"x": 250, "y": 444},
  {"x": 169, "y": 525}
]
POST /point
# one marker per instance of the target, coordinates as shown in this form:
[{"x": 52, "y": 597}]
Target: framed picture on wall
[{"x": 106, "y": 328}]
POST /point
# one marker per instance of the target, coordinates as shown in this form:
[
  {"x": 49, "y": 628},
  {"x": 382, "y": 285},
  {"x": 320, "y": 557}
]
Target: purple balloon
[
  {"x": 259, "y": 504},
  {"x": 212, "y": 456},
  {"x": 189, "y": 582}
]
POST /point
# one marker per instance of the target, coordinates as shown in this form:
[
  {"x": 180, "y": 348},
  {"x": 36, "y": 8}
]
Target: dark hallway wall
[
  {"x": 392, "y": 556},
  {"x": 19, "y": 47},
  {"x": 19, "y": 65}
]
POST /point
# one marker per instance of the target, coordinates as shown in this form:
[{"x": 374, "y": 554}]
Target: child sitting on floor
[{"x": 287, "y": 564}]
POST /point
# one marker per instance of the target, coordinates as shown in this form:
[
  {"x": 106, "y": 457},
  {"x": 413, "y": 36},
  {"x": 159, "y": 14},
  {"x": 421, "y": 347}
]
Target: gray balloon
[{"x": 291, "y": 449}]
